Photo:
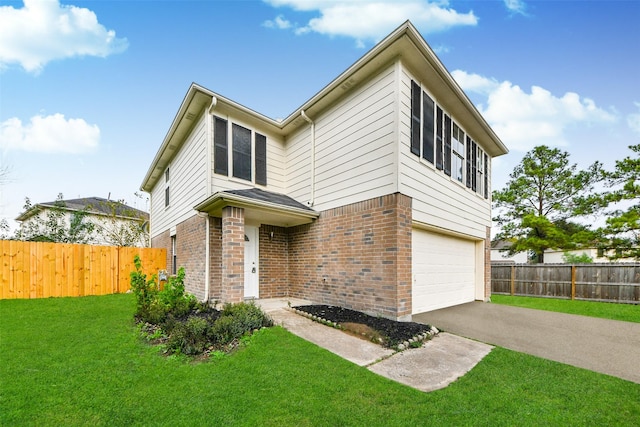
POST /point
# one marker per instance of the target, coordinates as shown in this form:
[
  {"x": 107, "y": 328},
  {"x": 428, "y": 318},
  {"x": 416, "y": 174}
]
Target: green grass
[
  {"x": 78, "y": 361},
  {"x": 605, "y": 310}
]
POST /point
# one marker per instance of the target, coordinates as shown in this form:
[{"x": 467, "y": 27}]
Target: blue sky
[{"x": 88, "y": 89}]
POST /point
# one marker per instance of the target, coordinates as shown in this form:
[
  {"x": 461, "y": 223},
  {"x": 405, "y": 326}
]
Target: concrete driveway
[{"x": 606, "y": 346}]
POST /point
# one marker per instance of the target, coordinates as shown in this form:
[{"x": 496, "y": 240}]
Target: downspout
[
  {"x": 313, "y": 157},
  {"x": 207, "y": 241}
]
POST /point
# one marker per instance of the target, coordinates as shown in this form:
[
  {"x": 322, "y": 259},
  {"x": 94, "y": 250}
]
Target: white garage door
[{"x": 443, "y": 271}]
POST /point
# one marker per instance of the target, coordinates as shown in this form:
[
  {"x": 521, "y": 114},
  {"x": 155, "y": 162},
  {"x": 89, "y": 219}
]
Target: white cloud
[
  {"x": 516, "y": 6},
  {"x": 43, "y": 31},
  {"x": 278, "y": 22},
  {"x": 633, "y": 120},
  {"x": 523, "y": 120},
  {"x": 49, "y": 134},
  {"x": 368, "y": 21}
]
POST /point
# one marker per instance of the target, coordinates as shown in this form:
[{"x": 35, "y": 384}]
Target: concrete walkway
[
  {"x": 435, "y": 365},
  {"x": 606, "y": 346}
]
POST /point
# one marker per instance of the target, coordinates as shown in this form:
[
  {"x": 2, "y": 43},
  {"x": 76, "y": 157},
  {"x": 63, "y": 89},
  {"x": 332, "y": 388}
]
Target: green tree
[
  {"x": 545, "y": 194},
  {"x": 583, "y": 258},
  {"x": 622, "y": 228},
  {"x": 56, "y": 224}
]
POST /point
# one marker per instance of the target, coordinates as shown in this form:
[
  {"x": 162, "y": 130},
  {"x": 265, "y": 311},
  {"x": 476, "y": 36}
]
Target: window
[
  {"x": 174, "y": 256},
  {"x": 457, "y": 157},
  {"x": 241, "y": 152},
  {"x": 480, "y": 171},
  {"x": 220, "y": 150},
  {"x": 438, "y": 139},
  {"x": 166, "y": 188}
]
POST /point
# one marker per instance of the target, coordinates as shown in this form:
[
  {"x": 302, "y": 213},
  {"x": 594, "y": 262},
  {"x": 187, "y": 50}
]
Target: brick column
[{"x": 232, "y": 254}]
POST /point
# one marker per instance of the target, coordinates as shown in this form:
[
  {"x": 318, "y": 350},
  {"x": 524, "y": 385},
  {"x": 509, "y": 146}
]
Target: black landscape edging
[{"x": 428, "y": 332}]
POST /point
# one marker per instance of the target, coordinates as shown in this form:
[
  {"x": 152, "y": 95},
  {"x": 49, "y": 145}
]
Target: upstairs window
[
  {"x": 241, "y": 140},
  {"x": 248, "y": 152},
  {"x": 458, "y": 152},
  {"x": 422, "y": 111},
  {"x": 439, "y": 140}
]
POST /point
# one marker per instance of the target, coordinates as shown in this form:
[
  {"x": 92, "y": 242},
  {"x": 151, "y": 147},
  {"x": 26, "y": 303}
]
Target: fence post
[
  {"x": 573, "y": 282},
  {"x": 513, "y": 280}
]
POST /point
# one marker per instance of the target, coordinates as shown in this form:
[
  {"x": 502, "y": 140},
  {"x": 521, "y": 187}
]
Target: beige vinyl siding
[
  {"x": 438, "y": 200},
  {"x": 275, "y": 162},
  {"x": 354, "y": 148},
  {"x": 188, "y": 182},
  {"x": 298, "y": 165}
]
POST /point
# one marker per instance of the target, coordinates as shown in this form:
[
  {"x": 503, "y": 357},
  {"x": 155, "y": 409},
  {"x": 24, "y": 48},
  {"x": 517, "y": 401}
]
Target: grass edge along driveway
[
  {"x": 604, "y": 310},
  {"x": 78, "y": 361}
]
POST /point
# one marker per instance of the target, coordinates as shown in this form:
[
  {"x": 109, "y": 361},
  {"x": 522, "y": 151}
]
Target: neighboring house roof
[
  {"x": 501, "y": 245},
  {"x": 93, "y": 205},
  {"x": 275, "y": 208},
  {"x": 405, "y": 43}
]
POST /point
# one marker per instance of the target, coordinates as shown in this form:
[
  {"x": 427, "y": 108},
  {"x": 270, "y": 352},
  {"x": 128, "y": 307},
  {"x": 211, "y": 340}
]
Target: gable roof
[
  {"x": 94, "y": 205},
  {"x": 405, "y": 43}
]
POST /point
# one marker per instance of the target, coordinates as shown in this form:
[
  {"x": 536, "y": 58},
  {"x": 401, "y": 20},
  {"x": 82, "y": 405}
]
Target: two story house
[{"x": 374, "y": 195}]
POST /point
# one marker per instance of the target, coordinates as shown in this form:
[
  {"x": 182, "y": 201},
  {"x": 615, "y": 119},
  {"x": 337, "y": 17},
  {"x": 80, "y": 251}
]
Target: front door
[{"x": 251, "y": 276}]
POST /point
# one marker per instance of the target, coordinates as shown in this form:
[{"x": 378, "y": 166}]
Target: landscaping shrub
[
  {"x": 237, "y": 319},
  {"x": 191, "y": 327},
  {"x": 189, "y": 337}
]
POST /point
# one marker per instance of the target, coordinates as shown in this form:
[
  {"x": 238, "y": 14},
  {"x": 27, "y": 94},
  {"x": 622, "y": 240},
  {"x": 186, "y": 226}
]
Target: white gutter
[
  {"x": 207, "y": 261},
  {"x": 313, "y": 157}
]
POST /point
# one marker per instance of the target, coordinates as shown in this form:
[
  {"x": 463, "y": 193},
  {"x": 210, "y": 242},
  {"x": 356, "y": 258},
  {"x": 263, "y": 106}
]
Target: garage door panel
[{"x": 443, "y": 271}]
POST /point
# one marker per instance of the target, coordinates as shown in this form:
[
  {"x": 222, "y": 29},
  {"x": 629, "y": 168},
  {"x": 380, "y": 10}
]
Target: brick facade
[
  {"x": 163, "y": 240},
  {"x": 190, "y": 248},
  {"x": 274, "y": 261},
  {"x": 356, "y": 256},
  {"x": 215, "y": 257}
]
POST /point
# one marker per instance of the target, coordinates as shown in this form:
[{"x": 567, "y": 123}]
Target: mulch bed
[{"x": 390, "y": 333}]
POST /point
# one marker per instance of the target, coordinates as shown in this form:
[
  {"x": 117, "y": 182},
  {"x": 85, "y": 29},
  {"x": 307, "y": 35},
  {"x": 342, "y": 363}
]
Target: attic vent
[
  {"x": 190, "y": 116},
  {"x": 348, "y": 84}
]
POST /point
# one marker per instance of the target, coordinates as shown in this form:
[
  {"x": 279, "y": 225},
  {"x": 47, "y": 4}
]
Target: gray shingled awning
[{"x": 264, "y": 207}]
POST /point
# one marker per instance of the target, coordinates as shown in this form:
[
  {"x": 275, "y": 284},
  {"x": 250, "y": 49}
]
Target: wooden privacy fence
[
  {"x": 41, "y": 270},
  {"x": 596, "y": 282}
]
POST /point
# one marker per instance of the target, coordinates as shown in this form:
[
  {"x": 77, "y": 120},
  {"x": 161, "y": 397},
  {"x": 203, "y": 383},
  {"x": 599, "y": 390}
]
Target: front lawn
[
  {"x": 605, "y": 310},
  {"x": 79, "y": 361}
]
